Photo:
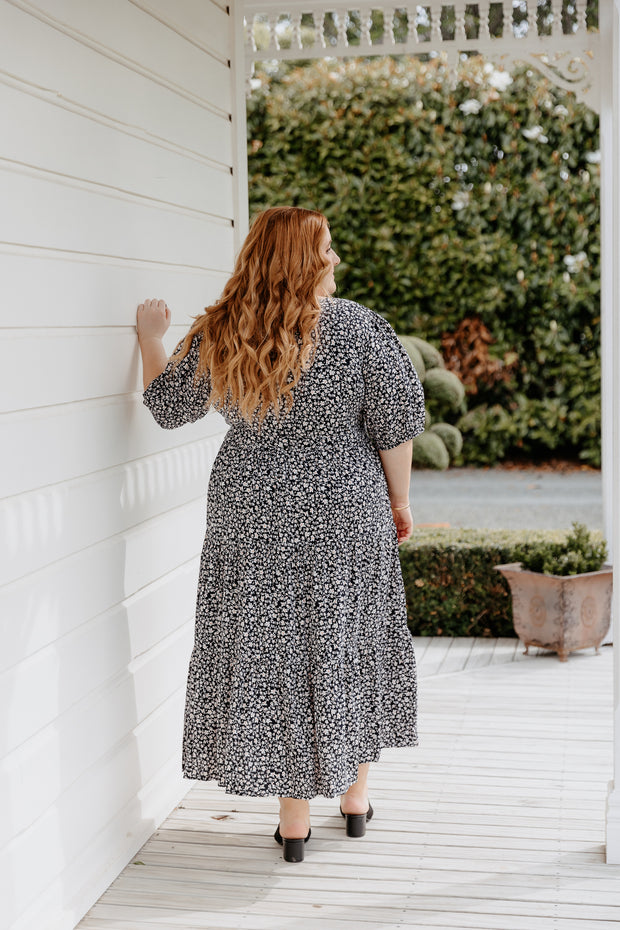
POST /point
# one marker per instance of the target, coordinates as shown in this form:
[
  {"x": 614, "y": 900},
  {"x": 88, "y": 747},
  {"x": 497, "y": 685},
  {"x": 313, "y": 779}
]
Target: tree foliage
[{"x": 472, "y": 201}]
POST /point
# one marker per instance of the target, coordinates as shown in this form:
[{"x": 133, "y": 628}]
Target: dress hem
[{"x": 283, "y": 792}]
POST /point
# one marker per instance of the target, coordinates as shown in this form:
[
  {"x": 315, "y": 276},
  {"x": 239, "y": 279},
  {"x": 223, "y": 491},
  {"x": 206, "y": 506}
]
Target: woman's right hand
[{"x": 153, "y": 319}]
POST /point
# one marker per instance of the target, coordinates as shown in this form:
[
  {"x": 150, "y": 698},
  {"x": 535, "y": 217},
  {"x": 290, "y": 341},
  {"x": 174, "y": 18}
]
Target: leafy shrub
[
  {"x": 451, "y": 584},
  {"x": 467, "y": 352},
  {"x": 431, "y": 356},
  {"x": 412, "y": 348},
  {"x": 451, "y": 204},
  {"x": 429, "y": 451},
  {"x": 451, "y": 438},
  {"x": 444, "y": 389},
  {"x": 581, "y": 552},
  {"x": 443, "y": 394}
]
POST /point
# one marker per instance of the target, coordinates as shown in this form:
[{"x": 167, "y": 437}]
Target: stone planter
[{"x": 560, "y": 613}]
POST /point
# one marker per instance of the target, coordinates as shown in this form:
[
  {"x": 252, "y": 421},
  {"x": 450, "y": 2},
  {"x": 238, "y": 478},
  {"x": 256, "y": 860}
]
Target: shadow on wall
[{"x": 96, "y": 634}]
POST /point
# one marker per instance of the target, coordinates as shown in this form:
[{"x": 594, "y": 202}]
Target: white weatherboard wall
[{"x": 118, "y": 181}]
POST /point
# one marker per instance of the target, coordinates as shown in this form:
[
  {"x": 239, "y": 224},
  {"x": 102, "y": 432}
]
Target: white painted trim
[
  {"x": 569, "y": 59},
  {"x": 611, "y": 21},
  {"x": 612, "y": 816},
  {"x": 240, "y": 152},
  {"x": 607, "y": 277}
]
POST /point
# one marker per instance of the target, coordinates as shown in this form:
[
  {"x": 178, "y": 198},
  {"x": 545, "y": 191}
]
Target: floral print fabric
[{"x": 303, "y": 666}]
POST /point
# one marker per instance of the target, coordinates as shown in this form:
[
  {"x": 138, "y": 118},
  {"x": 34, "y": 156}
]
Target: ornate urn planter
[{"x": 560, "y": 613}]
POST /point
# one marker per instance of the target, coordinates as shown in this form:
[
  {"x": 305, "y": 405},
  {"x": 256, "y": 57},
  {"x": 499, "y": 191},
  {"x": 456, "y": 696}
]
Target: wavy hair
[{"x": 262, "y": 332}]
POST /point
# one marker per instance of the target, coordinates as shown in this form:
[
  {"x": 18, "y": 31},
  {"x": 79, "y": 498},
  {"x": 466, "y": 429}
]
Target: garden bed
[{"x": 451, "y": 585}]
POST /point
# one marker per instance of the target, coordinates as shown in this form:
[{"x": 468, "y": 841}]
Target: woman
[{"x": 303, "y": 666}]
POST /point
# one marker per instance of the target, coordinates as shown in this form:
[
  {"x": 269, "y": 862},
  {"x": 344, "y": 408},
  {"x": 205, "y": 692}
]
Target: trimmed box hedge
[{"x": 451, "y": 584}]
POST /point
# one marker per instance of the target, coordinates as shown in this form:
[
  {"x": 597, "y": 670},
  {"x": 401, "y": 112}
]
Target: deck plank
[
  {"x": 457, "y": 657},
  {"x": 330, "y": 919},
  {"x": 496, "y": 822},
  {"x": 436, "y": 651}
]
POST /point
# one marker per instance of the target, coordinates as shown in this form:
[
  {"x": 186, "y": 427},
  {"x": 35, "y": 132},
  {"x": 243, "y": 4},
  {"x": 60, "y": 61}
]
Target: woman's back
[
  {"x": 360, "y": 389},
  {"x": 321, "y": 458}
]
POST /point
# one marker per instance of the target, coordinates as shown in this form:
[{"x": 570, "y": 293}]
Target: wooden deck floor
[{"x": 496, "y": 822}]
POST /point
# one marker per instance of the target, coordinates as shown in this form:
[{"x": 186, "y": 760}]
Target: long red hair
[{"x": 262, "y": 332}]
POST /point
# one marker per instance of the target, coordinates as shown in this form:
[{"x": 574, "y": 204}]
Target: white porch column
[
  {"x": 610, "y": 133},
  {"x": 607, "y": 273},
  {"x": 240, "y": 151}
]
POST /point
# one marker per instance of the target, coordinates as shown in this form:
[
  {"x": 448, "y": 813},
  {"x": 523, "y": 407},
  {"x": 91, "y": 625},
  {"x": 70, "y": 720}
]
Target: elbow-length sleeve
[
  {"x": 393, "y": 395},
  {"x": 175, "y": 397}
]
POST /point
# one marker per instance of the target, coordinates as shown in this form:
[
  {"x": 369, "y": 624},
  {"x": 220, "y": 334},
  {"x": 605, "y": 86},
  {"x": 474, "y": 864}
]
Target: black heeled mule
[
  {"x": 356, "y": 823},
  {"x": 293, "y": 848}
]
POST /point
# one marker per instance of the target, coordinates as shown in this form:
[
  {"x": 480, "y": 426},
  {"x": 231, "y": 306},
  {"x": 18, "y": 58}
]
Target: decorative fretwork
[{"x": 558, "y": 37}]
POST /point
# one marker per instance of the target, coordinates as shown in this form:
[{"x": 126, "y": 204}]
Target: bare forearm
[
  {"x": 152, "y": 321},
  {"x": 397, "y": 467},
  {"x": 154, "y": 358}
]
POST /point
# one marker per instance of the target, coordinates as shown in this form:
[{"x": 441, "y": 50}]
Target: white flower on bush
[
  {"x": 460, "y": 200},
  {"x": 593, "y": 158},
  {"x": 535, "y": 134},
  {"x": 520, "y": 275},
  {"x": 576, "y": 262},
  {"x": 560, "y": 110},
  {"x": 500, "y": 80},
  {"x": 470, "y": 106}
]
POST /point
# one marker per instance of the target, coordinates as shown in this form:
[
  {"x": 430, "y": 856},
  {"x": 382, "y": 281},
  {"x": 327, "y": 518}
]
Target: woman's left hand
[
  {"x": 153, "y": 319},
  {"x": 404, "y": 524}
]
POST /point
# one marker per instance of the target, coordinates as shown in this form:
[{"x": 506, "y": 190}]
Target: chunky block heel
[
  {"x": 293, "y": 849},
  {"x": 356, "y": 823}
]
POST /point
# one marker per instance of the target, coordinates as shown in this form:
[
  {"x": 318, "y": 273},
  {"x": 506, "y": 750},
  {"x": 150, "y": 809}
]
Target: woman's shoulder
[
  {"x": 356, "y": 316},
  {"x": 359, "y": 321},
  {"x": 189, "y": 346}
]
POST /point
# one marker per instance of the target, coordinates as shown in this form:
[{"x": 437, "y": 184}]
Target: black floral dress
[{"x": 303, "y": 665}]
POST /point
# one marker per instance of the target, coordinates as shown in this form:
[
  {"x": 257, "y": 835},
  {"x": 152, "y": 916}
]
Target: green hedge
[
  {"x": 451, "y": 585},
  {"x": 450, "y": 203}
]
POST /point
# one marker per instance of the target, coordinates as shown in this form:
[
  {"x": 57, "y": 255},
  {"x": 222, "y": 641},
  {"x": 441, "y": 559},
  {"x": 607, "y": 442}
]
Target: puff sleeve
[
  {"x": 393, "y": 395},
  {"x": 174, "y": 397}
]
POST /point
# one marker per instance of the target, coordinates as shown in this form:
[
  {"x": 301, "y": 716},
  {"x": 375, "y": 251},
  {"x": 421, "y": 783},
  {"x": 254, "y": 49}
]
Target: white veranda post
[
  {"x": 610, "y": 228},
  {"x": 558, "y": 38}
]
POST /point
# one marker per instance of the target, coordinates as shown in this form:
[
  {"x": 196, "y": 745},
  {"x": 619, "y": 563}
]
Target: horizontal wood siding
[{"x": 118, "y": 182}]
